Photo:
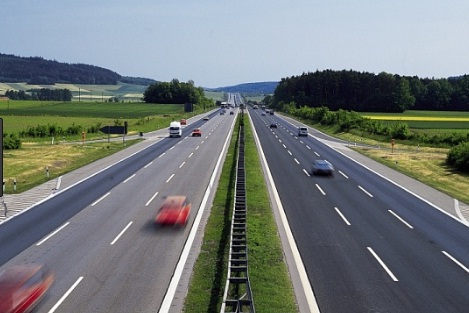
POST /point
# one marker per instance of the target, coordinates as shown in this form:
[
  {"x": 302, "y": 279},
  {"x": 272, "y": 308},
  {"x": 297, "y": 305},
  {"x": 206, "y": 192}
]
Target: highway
[
  {"x": 367, "y": 245},
  {"x": 98, "y": 236}
]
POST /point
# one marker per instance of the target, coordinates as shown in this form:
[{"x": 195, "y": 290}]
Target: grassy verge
[
  {"x": 28, "y": 165},
  {"x": 271, "y": 285}
]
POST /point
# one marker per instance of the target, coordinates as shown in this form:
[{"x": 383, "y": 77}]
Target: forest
[
  {"x": 368, "y": 92},
  {"x": 37, "y": 70}
]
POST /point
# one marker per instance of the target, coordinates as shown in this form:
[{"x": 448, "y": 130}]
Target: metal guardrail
[{"x": 237, "y": 297}]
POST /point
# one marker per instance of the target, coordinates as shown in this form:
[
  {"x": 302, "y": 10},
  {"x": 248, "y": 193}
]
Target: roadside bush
[
  {"x": 11, "y": 141},
  {"x": 458, "y": 157}
]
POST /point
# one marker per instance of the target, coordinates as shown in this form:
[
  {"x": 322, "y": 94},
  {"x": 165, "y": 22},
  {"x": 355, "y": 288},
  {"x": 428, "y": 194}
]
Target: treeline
[
  {"x": 368, "y": 92},
  {"x": 43, "y": 94},
  {"x": 36, "y": 70},
  {"x": 458, "y": 155},
  {"x": 175, "y": 92},
  {"x": 137, "y": 80}
]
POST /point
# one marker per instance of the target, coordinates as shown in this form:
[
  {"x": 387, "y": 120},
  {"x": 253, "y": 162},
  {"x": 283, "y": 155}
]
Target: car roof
[
  {"x": 17, "y": 275},
  {"x": 173, "y": 202},
  {"x": 322, "y": 162}
]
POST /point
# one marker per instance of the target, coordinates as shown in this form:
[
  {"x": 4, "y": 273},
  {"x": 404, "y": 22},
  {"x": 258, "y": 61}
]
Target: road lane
[
  {"x": 123, "y": 262},
  {"x": 377, "y": 262}
]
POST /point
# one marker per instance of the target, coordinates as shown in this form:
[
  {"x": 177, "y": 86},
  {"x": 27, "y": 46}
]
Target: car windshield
[{"x": 323, "y": 164}]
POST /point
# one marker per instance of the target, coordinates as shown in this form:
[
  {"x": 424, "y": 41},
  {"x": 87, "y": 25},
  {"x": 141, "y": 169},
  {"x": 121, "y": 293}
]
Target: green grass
[
  {"x": 141, "y": 117},
  {"x": 422, "y": 113},
  {"x": 28, "y": 165},
  {"x": 112, "y": 110},
  {"x": 271, "y": 285}
]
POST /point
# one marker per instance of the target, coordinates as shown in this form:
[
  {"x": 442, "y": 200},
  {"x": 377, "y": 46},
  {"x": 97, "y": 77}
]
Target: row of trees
[
  {"x": 175, "y": 92},
  {"x": 36, "y": 70},
  {"x": 43, "y": 94},
  {"x": 362, "y": 91},
  {"x": 458, "y": 155}
]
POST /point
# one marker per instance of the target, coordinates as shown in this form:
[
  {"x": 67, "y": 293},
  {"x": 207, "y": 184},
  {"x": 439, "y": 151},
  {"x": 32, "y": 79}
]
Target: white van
[
  {"x": 302, "y": 131},
  {"x": 175, "y": 129}
]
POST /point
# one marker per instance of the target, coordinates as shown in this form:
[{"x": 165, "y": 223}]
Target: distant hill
[
  {"x": 249, "y": 88},
  {"x": 39, "y": 71},
  {"x": 36, "y": 70}
]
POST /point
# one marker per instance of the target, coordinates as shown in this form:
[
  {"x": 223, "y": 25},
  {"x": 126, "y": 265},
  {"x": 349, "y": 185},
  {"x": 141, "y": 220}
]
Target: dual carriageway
[{"x": 364, "y": 243}]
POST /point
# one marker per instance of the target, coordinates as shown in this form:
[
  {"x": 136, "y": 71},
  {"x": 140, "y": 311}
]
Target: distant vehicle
[
  {"x": 273, "y": 125},
  {"x": 263, "y": 113},
  {"x": 302, "y": 131},
  {"x": 22, "y": 287},
  {"x": 231, "y": 113},
  {"x": 322, "y": 167},
  {"x": 175, "y": 210},
  {"x": 206, "y": 118},
  {"x": 255, "y": 107},
  {"x": 196, "y": 132},
  {"x": 222, "y": 112},
  {"x": 175, "y": 129},
  {"x": 183, "y": 121},
  {"x": 271, "y": 112}
]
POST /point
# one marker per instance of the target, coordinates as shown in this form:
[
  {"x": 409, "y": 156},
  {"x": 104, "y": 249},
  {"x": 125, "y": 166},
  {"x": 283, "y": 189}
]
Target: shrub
[
  {"x": 458, "y": 156},
  {"x": 11, "y": 141}
]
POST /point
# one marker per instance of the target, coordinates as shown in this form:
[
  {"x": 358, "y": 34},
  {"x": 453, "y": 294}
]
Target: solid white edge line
[
  {"x": 364, "y": 190},
  {"x": 464, "y": 222},
  {"x": 121, "y": 233},
  {"x": 305, "y": 283},
  {"x": 65, "y": 295},
  {"x": 458, "y": 212},
  {"x": 171, "y": 291},
  {"x": 52, "y": 234},
  {"x": 401, "y": 219},
  {"x": 456, "y": 261},
  {"x": 79, "y": 182},
  {"x": 342, "y": 216},
  {"x": 132, "y": 176},
  {"x": 152, "y": 198},
  {"x": 100, "y": 199},
  {"x": 382, "y": 264}
]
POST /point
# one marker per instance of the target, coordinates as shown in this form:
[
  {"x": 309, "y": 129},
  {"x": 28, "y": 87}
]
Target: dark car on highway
[{"x": 322, "y": 167}]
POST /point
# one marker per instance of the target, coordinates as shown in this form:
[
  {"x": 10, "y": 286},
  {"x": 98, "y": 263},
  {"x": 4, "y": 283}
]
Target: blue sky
[{"x": 220, "y": 43}]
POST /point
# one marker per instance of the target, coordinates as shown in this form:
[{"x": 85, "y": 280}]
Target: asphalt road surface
[
  {"x": 367, "y": 245},
  {"x": 98, "y": 236}
]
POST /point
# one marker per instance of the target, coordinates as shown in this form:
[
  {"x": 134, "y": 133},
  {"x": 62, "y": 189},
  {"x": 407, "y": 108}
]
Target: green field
[
  {"x": 98, "y": 93},
  {"x": 430, "y": 122},
  {"x": 140, "y": 116}
]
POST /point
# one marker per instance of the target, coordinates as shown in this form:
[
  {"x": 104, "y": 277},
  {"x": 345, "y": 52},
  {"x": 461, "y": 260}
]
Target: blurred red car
[
  {"x": 183, "y": 121},
  {"x": 196, "y": 132},
  {"x": 22, "y": 287},
  {"x": 175, "y": 210}
]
